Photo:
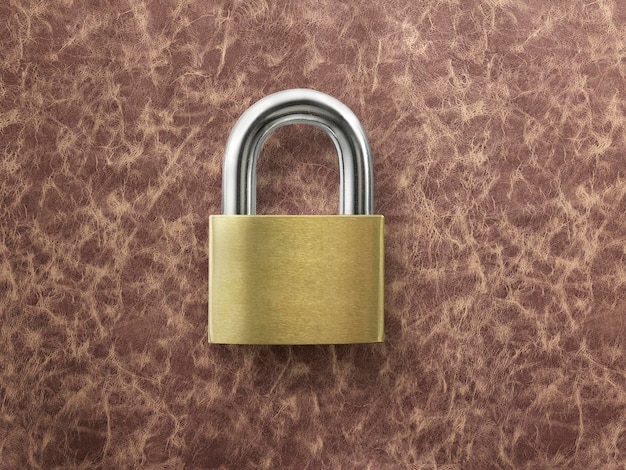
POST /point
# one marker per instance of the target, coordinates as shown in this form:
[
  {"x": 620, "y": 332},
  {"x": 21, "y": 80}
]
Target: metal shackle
[{"x": 297, "y": 106}]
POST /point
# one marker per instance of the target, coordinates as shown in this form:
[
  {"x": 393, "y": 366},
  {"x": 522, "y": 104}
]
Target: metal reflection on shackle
[{"x": 296, "y": 279}]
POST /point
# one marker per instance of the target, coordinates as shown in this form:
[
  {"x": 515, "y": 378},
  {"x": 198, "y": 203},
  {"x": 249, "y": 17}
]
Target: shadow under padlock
[{"x": 296, "y": 279}]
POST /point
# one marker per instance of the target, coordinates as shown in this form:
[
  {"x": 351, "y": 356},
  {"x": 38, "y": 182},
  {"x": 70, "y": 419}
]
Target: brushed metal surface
[{"x": 301, "y": 279}]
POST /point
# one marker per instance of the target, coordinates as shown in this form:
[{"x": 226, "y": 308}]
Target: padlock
[{"x": 296, "y": 279}]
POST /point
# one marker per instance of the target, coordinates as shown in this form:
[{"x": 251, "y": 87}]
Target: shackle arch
[{"x": 297, "y": 106}]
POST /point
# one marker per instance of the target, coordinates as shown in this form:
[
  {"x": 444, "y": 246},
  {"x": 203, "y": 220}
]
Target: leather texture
[{"x": 498, "y": 131}]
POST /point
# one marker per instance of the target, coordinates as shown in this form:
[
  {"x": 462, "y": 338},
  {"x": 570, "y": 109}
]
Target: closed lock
[{"x": 301, "y": 279}]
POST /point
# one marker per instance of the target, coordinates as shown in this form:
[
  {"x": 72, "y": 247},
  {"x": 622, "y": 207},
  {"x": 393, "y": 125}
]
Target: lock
[{"x": 296, "y": 279}]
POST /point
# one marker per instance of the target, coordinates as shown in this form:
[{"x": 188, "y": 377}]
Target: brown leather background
[{"x": 499, "y": 137}]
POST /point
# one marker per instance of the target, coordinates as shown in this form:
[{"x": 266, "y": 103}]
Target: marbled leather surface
[{"x": 499, "y": 137}]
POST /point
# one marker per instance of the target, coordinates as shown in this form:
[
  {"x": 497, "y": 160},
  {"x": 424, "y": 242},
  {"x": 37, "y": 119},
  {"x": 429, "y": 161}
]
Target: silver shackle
[{"x": 297, "y": 106}]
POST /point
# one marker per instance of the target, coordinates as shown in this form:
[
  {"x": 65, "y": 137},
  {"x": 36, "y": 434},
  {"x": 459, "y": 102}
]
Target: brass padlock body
[{"x": 301, "y": 279}]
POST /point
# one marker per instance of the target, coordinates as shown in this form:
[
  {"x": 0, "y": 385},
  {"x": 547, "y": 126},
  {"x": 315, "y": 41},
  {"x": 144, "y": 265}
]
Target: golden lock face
[
  {"x": 300, "y": 279},
  {"x": 296, "y": 279}
]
